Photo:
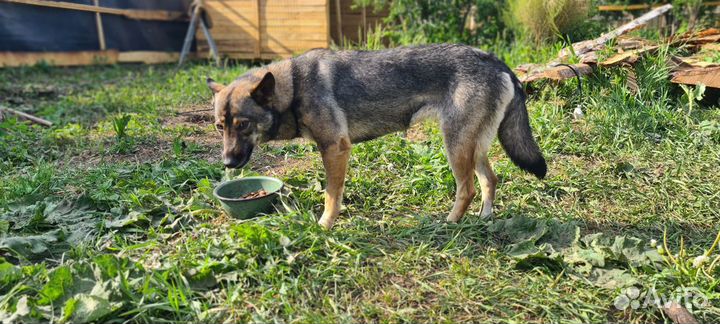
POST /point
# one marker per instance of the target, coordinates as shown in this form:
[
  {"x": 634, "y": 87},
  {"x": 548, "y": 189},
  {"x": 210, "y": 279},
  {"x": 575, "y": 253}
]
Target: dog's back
[{"x": 380, "y": 91}]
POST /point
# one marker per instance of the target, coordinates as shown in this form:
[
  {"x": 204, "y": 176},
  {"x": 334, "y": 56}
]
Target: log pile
[{"x": 702, "y": 67}]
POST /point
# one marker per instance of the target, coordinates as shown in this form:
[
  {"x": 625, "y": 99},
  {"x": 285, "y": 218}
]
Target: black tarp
[{"x": 29, "y": 28}]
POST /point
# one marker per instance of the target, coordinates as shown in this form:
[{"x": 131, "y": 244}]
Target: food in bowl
[{"x": 254, "y": 194}]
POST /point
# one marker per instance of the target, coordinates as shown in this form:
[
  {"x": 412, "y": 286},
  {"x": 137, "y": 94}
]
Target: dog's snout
[{"x": 231, "y": 162}]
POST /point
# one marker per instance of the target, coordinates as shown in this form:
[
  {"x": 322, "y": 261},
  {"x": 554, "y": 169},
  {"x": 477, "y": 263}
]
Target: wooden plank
[
  {"x": 292, "y": 44},
  {"x": 709, "y": 76},
  {"x": 645, "y": 6},
  {"x": 286, "y": 18},
  {"x": 258, "y": 30},
  {"x": 292, "y": 23},
  {"x": 279, "y": 35},
  {"x": 711, "y": 47},
  {"x": 316, "y": 16},
  {"x": 304, "y": 3},
  {"x": 148, "y": 57},
  {"x": 556, "y": 73},
  {"x": 162, "y": 15},
  {"x": 269, "y": 3},
  {"x": 26, "y": 116},
  {"x": 263, "y": 56},
  {"x": 623, "y": 7},
  {"x": 627, "y": 57},
  {"x": 12, "y": 59},
  {"x": 226, "y": 8},
  {"x": 267, "y": 28},
  {"x": 235, "y": 29}
]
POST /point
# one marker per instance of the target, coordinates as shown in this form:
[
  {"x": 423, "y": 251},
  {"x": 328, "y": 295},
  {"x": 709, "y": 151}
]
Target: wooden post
[
  {"x": 364, "y": 24},
  {"x": 210, "y": 40},
  {"x": 258, "y": 36},
  {"x": 338, "y": 18},
  {"x": 189, "y": 35},
  {"x": 100, "y": 31}
]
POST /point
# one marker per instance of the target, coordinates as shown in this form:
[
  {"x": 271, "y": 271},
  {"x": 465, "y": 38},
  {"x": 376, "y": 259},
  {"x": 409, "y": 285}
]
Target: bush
[
  {"x": 543, "y": 20},
  {"x": 473, "y": 22}
]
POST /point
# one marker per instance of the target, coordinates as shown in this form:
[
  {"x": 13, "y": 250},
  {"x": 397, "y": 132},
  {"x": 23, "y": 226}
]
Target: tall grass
[{"x": 542, "y": 20}]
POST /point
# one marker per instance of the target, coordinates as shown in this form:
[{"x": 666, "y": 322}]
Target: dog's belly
[
  {"x": 427, "y": 112},
  {"x": 379, "y": 122}
]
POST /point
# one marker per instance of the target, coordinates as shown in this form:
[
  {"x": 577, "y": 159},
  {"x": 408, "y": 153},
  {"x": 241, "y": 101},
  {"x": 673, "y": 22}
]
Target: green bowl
[{"x": 229, "y": 193}]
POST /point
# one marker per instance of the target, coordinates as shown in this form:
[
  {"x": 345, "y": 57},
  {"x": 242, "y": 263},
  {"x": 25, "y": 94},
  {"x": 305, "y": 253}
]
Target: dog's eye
[
  {"x": 243, "y": 124},
  {"x": 219, "y": 128}
]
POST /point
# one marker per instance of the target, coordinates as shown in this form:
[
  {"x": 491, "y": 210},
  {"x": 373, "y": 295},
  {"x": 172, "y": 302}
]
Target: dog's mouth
[{"x": 236, "y": 162}]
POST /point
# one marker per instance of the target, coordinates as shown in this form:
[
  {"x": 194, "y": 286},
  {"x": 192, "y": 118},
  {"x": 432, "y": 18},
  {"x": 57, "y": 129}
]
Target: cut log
[{"x": 583, "y": 47}]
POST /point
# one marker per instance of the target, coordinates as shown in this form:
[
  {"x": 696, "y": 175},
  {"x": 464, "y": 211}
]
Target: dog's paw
[
  {"x": 452, "y": 219},
  {"x": 487, "y": 215},
  {"x": 326, "y": 222},
  {"x": 486, "y": 212}
]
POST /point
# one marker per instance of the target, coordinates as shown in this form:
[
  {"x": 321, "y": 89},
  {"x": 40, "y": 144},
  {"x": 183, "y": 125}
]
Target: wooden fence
[
  {"x": 102, "y": 55},
  {"x": 266, "y": 29}
]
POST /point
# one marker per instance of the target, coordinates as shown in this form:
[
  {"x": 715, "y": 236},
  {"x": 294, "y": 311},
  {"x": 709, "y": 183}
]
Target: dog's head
[{"x": 243, "y": 114}]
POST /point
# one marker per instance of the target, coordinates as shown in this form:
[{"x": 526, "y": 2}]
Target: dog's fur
[{"x": 345, "y": 97}]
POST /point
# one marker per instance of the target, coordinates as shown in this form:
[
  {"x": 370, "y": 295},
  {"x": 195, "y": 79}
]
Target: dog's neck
[
  {"x": 286, "y": 125},
  {"x": 285, "y": 120}
]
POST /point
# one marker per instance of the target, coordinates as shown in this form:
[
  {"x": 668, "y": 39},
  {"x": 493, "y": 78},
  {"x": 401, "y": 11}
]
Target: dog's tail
[{"x": 516, "y": 137}]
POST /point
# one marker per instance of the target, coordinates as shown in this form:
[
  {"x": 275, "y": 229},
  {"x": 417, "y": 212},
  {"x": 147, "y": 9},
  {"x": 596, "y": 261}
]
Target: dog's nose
[{"x": 231, "y": 162}]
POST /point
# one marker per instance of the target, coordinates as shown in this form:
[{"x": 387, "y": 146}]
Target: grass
[{"x": 97, "y": 225}]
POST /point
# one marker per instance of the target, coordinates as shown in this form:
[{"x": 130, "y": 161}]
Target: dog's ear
[
  {"x": 263, "y": 92},
  {"x": 214, "y": 86}
]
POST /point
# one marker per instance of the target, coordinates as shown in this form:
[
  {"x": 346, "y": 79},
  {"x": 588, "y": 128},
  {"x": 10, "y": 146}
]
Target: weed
[
  {"x": 120, "y": 125},
  {"x": 692, "y": 95}
]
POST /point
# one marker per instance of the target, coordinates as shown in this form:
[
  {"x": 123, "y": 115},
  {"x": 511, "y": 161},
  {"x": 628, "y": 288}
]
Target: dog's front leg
[{"x": 335, "y": 159}]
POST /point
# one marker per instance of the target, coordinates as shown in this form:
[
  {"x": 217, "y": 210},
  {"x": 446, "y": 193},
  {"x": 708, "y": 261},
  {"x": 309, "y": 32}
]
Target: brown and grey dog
[{"x": 345, "y": 97}]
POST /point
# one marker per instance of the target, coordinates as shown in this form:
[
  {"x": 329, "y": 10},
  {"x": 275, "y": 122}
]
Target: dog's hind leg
[
  {"x": 462, "y": 162},
  {"x": 488, "y": 182},
  {"x": 335, "y": 159}
]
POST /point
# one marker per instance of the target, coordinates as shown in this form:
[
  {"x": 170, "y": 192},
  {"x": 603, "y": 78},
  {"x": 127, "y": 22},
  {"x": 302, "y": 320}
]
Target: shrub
[
  {"x": 471, "y": 22},
  {"x": 545, "y": 19}
]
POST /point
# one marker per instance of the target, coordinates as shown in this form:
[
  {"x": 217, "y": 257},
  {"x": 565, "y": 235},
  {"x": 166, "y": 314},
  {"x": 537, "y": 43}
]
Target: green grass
[{"x": 96, "y": 225}]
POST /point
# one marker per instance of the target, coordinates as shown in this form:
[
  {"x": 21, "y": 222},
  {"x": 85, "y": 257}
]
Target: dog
[{"x": 338, "y": 98}]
